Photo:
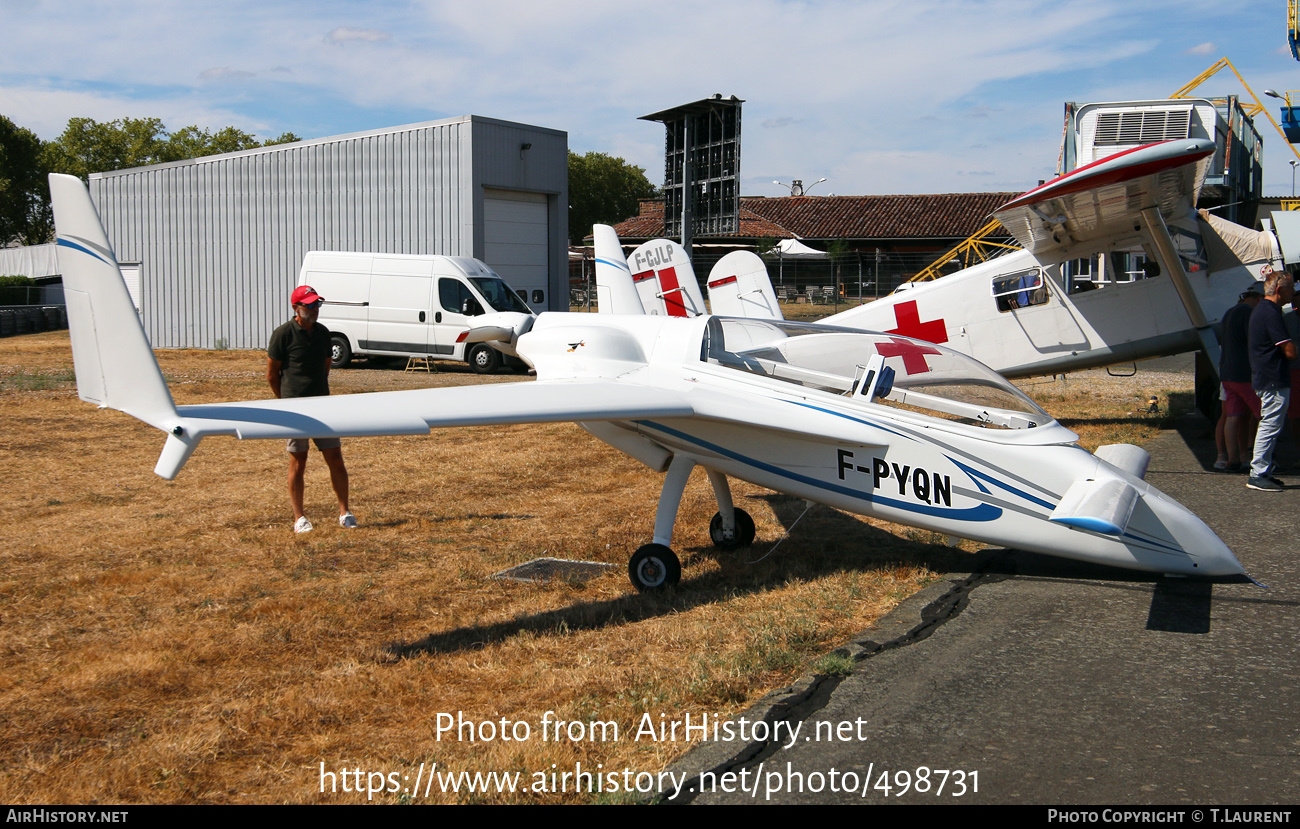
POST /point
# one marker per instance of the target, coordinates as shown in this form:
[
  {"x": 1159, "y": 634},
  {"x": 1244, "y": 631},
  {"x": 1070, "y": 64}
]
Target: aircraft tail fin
[
  {"x": 740, "y": 287},
  {"x": 665, "y": 279},
  {"x": 114, "y": 363},
  {"x": 615, "y": 292}
]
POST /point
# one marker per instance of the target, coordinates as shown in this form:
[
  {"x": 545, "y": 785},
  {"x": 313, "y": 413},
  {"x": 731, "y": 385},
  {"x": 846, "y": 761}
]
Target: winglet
[
  {"x": 615, "y": 292},
  {"x": 114, "y": 363}
]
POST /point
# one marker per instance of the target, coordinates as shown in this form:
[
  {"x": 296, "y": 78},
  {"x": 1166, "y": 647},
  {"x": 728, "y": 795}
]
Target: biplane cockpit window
[{"x": 924, "y": 378}]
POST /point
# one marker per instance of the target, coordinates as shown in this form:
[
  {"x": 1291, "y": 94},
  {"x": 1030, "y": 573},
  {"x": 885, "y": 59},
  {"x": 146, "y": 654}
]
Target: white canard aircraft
[
  {"x": 871, "y": 423},
  {"x": 1116, "y": 266}
]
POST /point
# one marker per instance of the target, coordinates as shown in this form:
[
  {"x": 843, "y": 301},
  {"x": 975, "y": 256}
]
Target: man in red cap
[{"x": 298, "y": 365}]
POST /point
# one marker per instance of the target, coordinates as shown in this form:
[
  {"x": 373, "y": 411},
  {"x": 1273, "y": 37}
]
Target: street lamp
[
  {"x": 1293, "y": 164},
  {"x": 797, "y": 188}
]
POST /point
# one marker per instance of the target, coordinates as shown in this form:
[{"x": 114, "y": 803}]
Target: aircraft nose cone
[
  {"x": 1218, "y": 560},
  {"x": 1205, "y": 554}
]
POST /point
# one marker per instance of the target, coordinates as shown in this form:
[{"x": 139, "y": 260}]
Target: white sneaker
[
  {"x": 348, "y": 521},
  {"x": 302, "y": 525}
]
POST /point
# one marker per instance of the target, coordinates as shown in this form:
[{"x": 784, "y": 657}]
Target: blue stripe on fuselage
[{"x": 983, "y": 512}]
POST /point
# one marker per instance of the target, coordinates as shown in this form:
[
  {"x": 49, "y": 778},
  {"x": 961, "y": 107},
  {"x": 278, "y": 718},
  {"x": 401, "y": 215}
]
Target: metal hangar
[{"x": 211, "y": 247}]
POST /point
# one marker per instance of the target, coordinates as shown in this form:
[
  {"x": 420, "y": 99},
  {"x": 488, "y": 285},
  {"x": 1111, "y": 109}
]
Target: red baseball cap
[{"x": 304, "y": 295}]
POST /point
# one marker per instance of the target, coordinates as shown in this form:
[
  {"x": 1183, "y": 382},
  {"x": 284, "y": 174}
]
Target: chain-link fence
[
  {"x": 31, "y": 294},
  {"x": 856, "y": 276}
]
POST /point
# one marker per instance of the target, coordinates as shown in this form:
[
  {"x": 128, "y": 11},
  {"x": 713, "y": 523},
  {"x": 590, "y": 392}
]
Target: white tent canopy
[
  {"x": 35, "y": 261},
  {"x": 794, "y": 249}
]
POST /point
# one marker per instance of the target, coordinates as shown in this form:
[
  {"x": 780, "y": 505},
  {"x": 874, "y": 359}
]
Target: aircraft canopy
[{"x": 927, "y": 378}]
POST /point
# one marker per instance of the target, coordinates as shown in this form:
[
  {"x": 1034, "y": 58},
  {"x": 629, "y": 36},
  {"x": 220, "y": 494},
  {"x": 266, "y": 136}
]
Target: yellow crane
[
  {"x": 1250, "y": 109},
  {"x": 975, "y": 249},
  {"x": 1293, "y": 28}
]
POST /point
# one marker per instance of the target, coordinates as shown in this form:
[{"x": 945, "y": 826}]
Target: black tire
[
  {"x": 745, "y": 531},
  {"x": 340, "y": 351},
  {"x": 654, "y": 567},
  {"x": 484, "y": 359}
]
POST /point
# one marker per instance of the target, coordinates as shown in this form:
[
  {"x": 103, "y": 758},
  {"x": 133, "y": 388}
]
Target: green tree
[
  {"x": 25, "y": 215},
  {"x": 192, "y": 142},
  {"x": 603, "y": 190},
  {"x": 87, "y": 146}
]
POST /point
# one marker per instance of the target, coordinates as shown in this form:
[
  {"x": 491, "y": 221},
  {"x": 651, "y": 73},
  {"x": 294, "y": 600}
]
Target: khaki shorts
[{"x": 298, "y": 446}]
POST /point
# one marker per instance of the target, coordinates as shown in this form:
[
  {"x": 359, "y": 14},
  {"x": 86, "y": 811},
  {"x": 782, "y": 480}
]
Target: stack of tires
[{"x": 30, "y": 319}]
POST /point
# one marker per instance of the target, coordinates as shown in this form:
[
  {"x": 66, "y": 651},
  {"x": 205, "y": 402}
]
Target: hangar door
[{"x": 516, "y": 236}]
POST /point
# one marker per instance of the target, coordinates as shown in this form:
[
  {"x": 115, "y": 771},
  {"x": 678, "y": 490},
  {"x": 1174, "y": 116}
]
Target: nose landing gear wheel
[
  {"x": 743, "y": 536},
  {"x": 653, "y": 568}
]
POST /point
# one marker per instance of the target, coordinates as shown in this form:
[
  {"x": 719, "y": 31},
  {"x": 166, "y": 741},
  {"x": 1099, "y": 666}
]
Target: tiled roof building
[
  {"x": 926, "y": 219},
  {"x": 889, "y": 238}
]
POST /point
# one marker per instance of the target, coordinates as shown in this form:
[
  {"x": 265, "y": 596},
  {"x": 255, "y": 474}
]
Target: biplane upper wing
[{"x": 1106, "y": 197}]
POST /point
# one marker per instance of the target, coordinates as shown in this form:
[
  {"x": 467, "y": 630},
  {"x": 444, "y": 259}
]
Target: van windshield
[{"x": 499, "y": 295}]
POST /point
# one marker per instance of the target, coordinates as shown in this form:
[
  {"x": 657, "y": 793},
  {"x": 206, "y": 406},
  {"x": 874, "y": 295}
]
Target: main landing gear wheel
[
  {"x": 653, "y": 568},
  {"x": 743, "y": 537}
]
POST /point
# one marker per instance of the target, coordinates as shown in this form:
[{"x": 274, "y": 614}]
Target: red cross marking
[
  {"x": 910, "y": 325},
  {"x": 913, "y": 354}
]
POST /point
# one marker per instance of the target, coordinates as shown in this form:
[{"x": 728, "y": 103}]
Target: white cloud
[
  {"x": 223, "y": 73},
  {"x": 344, "y": 34},
  {"x": 886, "y": 96},
  {"x": 1206, "y": 48},
  {"x": 46, "y": 111}
]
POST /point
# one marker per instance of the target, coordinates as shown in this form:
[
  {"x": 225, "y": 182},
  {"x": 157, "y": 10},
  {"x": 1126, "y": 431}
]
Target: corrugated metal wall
[{"x": 220, "y": 239}]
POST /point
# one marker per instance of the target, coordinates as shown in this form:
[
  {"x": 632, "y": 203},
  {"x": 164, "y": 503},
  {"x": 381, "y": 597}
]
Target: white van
[{"x": 402, "y": 305}]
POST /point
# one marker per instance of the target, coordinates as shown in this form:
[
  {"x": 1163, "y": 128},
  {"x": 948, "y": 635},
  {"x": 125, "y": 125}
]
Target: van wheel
[
  {"x": 484, "y": 359},
  {"x": 340, "y": 351}
]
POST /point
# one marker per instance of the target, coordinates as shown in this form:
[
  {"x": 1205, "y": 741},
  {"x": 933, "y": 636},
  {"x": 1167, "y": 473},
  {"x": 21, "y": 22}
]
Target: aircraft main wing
[
  {"x": 417, "y": 411},
  {"x": 413, "y": 412},
  {"x": 1104, "y": 198}
]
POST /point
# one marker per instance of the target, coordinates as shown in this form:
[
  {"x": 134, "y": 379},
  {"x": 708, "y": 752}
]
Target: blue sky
[{"x": 878, "y": 97}]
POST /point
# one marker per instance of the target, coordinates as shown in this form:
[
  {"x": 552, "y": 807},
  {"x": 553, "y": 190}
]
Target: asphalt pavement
[{"x": 1038, "y": 681}]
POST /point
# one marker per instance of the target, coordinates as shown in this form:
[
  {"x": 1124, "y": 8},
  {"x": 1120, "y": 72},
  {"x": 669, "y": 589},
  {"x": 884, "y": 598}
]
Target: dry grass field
[{"x": 174, "y": 642}]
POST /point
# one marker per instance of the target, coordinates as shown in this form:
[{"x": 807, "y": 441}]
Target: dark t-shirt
[
  {"x": 302, "y": 357},
  {"x": 1269, "y": 367},
  {"x": 1234, "y": 359}
]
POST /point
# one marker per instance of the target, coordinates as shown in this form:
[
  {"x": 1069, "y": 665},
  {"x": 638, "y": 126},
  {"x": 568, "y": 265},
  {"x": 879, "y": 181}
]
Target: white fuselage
[
  {"x": 999, "y": 486},
  {"x": 1123, "y": 316}
]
